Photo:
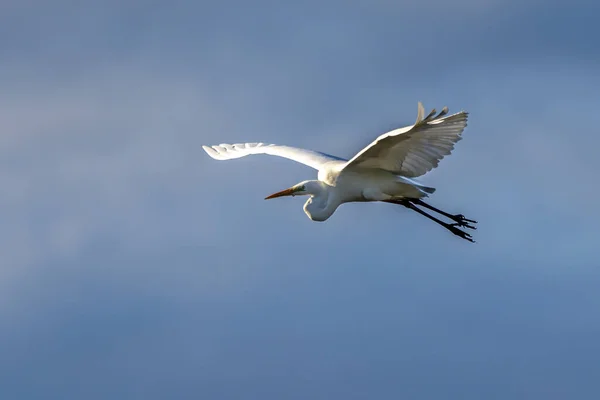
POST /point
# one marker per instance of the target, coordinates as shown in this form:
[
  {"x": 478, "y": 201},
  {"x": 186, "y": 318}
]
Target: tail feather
[
  {"x": 422, "y": 188},
  {"x": 426, "y": 189}
]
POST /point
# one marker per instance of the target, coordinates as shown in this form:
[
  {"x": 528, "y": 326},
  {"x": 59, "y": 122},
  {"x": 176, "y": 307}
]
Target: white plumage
[
  {"x": 311, "y": 158},
  {"x": 379, "y": 172}
]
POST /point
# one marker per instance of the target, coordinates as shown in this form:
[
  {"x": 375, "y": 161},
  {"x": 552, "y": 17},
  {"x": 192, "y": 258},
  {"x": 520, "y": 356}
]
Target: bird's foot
[
  {"x": 453, "y": 228},
  {"x": 463, "y": 222}
]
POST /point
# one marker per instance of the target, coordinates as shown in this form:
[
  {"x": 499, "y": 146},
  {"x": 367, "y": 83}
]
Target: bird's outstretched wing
[
  {"x": 414, "y": 150},
  {"x": 311, "y": 158}
]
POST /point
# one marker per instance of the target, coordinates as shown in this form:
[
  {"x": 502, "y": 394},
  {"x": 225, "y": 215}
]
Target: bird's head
[{"x": 300, "y": 189}]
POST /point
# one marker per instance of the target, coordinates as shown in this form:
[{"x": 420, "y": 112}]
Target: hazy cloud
[{"x": 136, "y": 266}]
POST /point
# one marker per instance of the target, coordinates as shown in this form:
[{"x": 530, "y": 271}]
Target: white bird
[{"x": 382, "y": 171}]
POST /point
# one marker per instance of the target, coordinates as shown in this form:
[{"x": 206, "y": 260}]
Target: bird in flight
[{"x": 382, "y": 171}]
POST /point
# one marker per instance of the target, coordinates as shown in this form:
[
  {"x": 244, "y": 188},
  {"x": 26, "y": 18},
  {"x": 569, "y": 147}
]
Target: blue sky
[{"x": 134, "y": 266}]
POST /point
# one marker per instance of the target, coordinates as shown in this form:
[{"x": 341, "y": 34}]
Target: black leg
[
  {"x": 451, "y": 227},
  {"x": 458, "y": 218}
]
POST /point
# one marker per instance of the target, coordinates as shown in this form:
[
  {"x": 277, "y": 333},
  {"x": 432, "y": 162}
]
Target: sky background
[{"x": 136, "y": 267}]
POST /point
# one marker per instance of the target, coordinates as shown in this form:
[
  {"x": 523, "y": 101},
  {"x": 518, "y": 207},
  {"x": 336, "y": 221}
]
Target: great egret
[{"x": 382, "y": 171}]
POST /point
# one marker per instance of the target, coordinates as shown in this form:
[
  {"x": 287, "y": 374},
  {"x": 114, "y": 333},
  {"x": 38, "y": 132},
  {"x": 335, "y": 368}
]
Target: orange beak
[{"x": 286, "y": 192}]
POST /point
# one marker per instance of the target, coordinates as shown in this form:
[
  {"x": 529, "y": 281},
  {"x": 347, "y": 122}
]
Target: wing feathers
[
  {"x": 410, "y": 151},
  {"x": 415, "y": 150},
  {"x": 311, "y": 158}
]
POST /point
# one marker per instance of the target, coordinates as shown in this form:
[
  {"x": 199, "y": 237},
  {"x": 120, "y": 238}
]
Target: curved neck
[{"x": 322, "y": 203}]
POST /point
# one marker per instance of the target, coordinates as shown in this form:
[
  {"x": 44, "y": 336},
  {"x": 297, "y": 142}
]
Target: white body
[{"x": 381, "y": 171}]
